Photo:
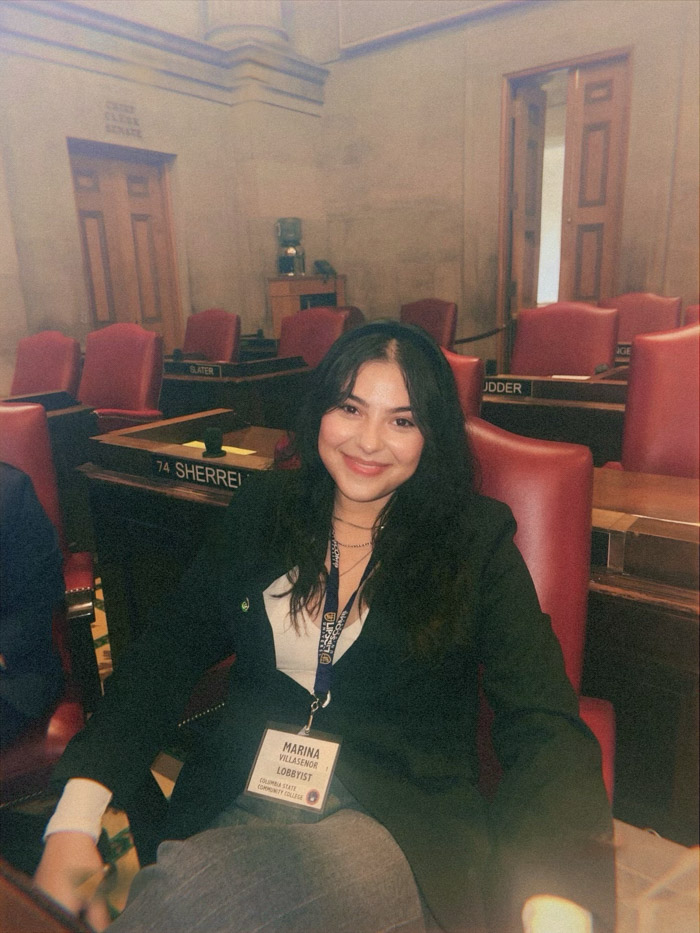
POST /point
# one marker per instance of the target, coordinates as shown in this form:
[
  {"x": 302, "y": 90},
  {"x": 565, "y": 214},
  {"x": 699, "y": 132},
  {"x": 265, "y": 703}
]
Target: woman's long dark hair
[{"x": 420, "y": 536}]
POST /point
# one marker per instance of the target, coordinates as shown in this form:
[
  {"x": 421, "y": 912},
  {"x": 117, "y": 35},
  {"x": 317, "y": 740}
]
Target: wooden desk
[
  {"x": 266, "y": 392},
  {"x": 642, "y": 643},
  {"x": 589, "y": 412},
  {"x": 153, "y": 500},
  {"x": 597, "y": 425}
]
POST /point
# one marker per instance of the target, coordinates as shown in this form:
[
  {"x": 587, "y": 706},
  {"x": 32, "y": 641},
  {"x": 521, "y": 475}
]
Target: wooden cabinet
[{"x": 287, "y": 294}]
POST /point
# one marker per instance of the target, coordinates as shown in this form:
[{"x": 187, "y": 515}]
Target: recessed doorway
[
  {"x": 122, "y": 202},
  {"x": 564, "y": 149}
]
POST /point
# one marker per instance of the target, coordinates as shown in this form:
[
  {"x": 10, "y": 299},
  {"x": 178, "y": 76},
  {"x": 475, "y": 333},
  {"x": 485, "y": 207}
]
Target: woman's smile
[
  {"x": 364, "y": 467},
  {"x": 371, "y": 444}
]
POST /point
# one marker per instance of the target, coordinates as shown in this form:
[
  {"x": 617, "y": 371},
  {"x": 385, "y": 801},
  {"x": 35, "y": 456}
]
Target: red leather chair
[
  {"x": 25, "y": 766},
  {"x": 549, "y": 487},
  {"x": 310, "y": 333},
  {"x": 355, "y": 316},
  {"x": 122, "y": 376},
  {"x": 214, "y": 334},
  {"x": 46, "y": 362},
  {"x": 641, "y": 312},
  {"x": 469, "y": 376},
  {"x": 437, "y": 317},
  {"x": 566, "y": 338},
  {"x": 660, "y": 433},
  {"x": 692, "y": 314}
]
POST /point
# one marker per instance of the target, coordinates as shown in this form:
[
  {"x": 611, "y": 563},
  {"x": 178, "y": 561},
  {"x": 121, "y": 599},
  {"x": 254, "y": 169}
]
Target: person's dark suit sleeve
[
  {"x": 31, "y": 575},
  {"x": 146, "y": 695}
]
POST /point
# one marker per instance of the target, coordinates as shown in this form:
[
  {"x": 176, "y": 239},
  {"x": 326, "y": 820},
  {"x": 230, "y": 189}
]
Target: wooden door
[
  {"x": 127, "y": 243},
  {"x": 596, "y": 148},
  {"x": 529, "y": 111}
]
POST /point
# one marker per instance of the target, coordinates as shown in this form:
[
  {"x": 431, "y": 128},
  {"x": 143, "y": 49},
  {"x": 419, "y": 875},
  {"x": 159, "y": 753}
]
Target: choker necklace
[
  {"x": 340, "y": 544},
  {"x": 337, "y": 518}
]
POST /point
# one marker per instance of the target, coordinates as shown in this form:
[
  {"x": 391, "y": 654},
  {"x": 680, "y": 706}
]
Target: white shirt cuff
[{"x": 80, "y": 809}]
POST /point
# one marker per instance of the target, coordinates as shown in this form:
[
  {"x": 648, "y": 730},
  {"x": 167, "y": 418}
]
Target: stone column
[{"x": 229, "y": 23}]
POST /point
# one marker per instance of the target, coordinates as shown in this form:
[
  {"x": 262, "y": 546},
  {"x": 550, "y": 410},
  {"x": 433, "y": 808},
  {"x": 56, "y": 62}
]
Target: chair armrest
[
  {"x": 115, "y": 419},
  {"x": 79, "y": 575},
  {"x": 209, "y": 694}
]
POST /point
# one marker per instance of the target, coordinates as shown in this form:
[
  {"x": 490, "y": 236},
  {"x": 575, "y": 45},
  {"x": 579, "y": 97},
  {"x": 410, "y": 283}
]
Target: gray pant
[{"x": 342, "y": 874}]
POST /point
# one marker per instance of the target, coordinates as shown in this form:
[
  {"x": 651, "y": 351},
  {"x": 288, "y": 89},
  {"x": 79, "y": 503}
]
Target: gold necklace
[{"x": 337, "y": 518}]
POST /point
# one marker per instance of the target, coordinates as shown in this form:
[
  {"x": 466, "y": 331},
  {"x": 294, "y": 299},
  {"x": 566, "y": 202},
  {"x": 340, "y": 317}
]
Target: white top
[{"x": 83, "y": 802}]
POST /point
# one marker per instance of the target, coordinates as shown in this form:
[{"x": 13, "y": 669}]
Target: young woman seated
[{"x": 362, "y": 593}]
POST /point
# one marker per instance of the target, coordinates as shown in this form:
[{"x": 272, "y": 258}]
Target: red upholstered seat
[
  {"x": 310, "y": 333},
  {"x": 122, "y": 376},
  {"x": 469, "y": 376},
  {"x": 214, "y": 334},
  {"x": 46, "y": 362},
  {"x": 355, "y": 316},
  {"x": 26, "y": 765},
  {"x": 437, "y": 317},
  {"x": 692, "y": 314},
  {"x": 566, "y": 338},
  {"x": 549, "y": 487},
  {"x": 641, "y": 312},
  {"x": 660, "y": 433}
]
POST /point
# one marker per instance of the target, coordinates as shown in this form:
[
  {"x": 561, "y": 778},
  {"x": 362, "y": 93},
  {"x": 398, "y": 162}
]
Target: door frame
[
  {"x": 165, "y": 161},
  {"x": 509, "y": 80}
]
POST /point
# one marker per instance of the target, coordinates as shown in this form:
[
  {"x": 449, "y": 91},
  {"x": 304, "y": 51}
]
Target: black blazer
[{"x": 408, "y": 725}]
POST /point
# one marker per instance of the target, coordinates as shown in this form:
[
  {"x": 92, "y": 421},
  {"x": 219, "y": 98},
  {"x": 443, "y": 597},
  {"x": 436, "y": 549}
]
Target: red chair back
[
  {"x": 565, "y": 338},
  {"x": 469, "y": 376},
  {"x": 46, "y": 362},
  {"x": 549, "y": 488},
  {"x": 692, "y": 314},
  {"x": 661, "y": 415},
  {"x": 122, "y": 374},
  {"x": 310, "y": 333},
  {"x": 641, "y": 312},
  {"x": 214, "y": 333},
  {"x": 25, "y": 444},
  {"x": 437, "y": 317},
  {"x": 355, "y": 317}
]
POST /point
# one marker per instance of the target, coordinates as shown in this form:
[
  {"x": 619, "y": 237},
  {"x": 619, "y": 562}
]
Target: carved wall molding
[{"x": 249, "y": 70}]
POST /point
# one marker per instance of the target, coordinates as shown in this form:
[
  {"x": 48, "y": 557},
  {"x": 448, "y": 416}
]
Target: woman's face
[{"x": 371, "y": 444}]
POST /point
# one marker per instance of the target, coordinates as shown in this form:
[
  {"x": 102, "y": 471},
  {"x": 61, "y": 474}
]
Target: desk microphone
[
  {"x": 213, "y": 438},
  {"x": 600, "y": 368}
]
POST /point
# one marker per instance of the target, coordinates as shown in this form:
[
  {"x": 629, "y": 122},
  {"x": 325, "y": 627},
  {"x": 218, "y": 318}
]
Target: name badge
[{"x": 293, "y": 769}]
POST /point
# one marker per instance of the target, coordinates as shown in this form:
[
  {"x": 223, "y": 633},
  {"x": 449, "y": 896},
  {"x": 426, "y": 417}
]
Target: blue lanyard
[{"x": 332, "y": 626}]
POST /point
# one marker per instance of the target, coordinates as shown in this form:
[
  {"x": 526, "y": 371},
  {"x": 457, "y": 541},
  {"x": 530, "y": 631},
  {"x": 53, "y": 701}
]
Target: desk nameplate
[
  {"x": 562, "y": 388},
  {"x": 198, "y": 472},
  {"x": 249, "y": 368},
  {"x": 500, "y": 385}
]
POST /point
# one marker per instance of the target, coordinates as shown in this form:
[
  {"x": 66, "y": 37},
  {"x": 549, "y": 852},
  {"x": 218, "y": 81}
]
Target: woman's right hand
[{"x": 69, "y": 872}]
